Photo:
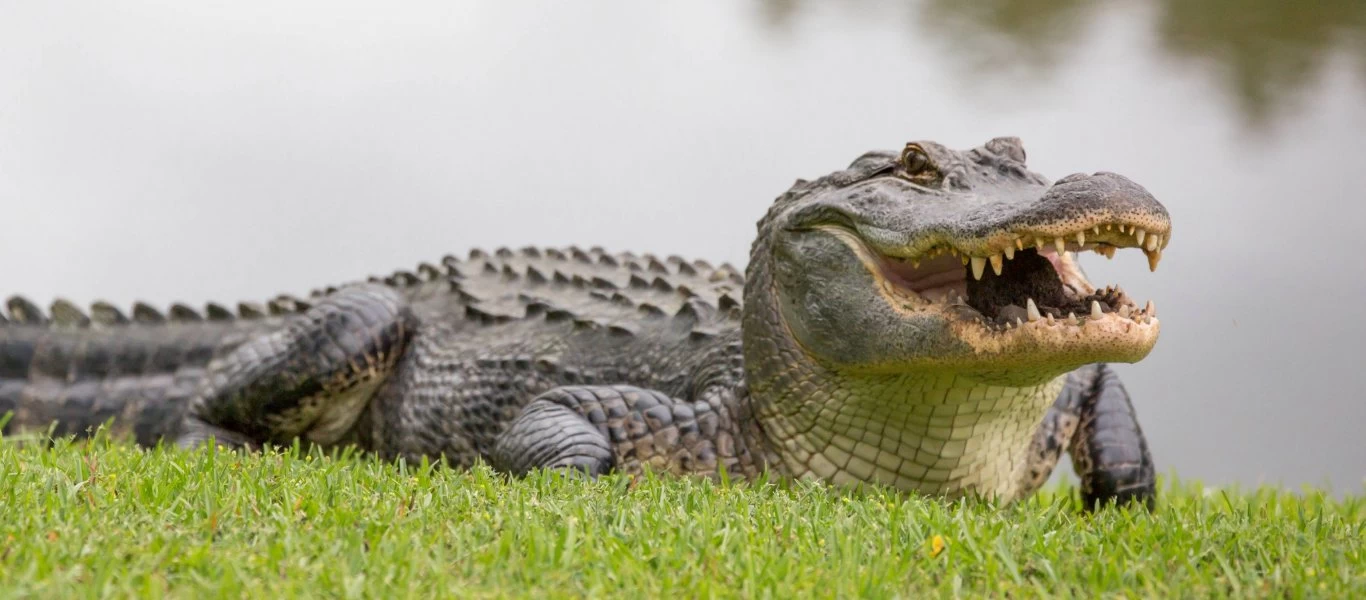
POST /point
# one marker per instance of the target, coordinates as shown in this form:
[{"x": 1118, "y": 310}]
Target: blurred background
[{"x": 167, "y": 151}]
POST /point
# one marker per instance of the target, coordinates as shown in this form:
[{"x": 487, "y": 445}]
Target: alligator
[{"x": 917, "y": 320}]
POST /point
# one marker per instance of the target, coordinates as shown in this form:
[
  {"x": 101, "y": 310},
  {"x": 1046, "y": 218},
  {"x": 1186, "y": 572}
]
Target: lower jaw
[
  {"x": 1029, "y": 347},
  {"x": 1019, "y": 352},
  {"x": 1026, "y": 354}
]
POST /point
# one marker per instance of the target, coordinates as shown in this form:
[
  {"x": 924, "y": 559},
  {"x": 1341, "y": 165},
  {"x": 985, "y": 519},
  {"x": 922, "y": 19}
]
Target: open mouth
[{"x": 1014, "y": 279}]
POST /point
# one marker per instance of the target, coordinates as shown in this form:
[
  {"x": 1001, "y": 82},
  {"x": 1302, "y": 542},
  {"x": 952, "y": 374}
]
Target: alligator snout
[{"x": 1113, "y": 193}]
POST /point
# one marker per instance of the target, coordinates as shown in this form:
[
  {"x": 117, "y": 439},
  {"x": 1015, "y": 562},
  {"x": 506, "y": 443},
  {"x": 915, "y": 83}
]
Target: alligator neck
[{"x": 935, "y": 433}]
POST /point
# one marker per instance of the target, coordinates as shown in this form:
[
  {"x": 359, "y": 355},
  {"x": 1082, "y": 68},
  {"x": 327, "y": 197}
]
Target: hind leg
[{"x": 309, "y": 379}]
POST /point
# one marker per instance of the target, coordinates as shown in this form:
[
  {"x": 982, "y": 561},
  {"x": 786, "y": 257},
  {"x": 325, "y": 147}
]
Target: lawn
[{"x": 108, "y": 519}]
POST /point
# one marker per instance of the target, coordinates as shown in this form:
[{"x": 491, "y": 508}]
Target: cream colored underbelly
[{"x": 943, "y": 436}]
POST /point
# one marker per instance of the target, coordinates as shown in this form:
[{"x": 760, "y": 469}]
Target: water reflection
[
  {"x": 1262, "y": 53},
  {"x": 995, "y": 35}
]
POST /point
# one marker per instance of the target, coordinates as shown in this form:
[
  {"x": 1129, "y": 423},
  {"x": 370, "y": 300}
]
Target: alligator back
[
  {"x": 583, "y": 312},
  {"x": 75, "y": 372}
]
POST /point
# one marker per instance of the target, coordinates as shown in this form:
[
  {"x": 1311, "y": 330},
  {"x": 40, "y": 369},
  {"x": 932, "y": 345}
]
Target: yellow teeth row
[
  {"x": 1151, "y": 244},
  {"x": 1145, "y": 316}
]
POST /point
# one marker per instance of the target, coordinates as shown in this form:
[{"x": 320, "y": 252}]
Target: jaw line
[{"x": 1109, "y": 337}]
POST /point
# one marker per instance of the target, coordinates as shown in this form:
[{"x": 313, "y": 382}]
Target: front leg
[
  {"x": 309, "y": 379},
  {"x": 1094, "y": 420},
  {"x": 1109, "y": 452},
  {"x": 598, "y": 429}
]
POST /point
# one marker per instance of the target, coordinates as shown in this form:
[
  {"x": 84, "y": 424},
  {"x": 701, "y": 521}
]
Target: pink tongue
[{"x": 1052, "y": 256}]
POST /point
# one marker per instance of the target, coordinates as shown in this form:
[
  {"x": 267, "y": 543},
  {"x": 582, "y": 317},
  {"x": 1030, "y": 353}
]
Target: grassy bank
[{"x": 102, "y": 518}]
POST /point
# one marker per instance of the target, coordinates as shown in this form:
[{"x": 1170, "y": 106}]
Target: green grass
[{"x": 99, "y": 519}]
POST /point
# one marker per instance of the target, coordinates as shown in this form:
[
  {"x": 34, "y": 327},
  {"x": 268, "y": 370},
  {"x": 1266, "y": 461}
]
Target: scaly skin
[{"x": 863, "y": 349}]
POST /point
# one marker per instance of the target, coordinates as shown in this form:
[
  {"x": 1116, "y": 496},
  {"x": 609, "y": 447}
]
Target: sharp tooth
[
  {"x": 1081, "y": 238},
  {"x": 1010, "y": 253},
  {"x": 1019, "y": 243},
  {"x": 1095, "y": 310},
  {"x": 979, "y": 264},
  {"x": 1152, "y": 243},
  {"x": 1060, "y": 244},
  {"x": 1150, "y": 309},
  {"x": 1071, "y": 316},
  {"x": 964, "y": 258},
  {"x": 996, "y": 265},
  {"x": 1031, "y": 310},
  {"x": 1124, "y": 311},
  {"x": 1049, "y": 318},
  {"x": 1109, "y": 226},
  {"x": 1154, "y": 257},
  {"x": 1159, "y": 240},
  {"x": 1038, "y": 244},
  {"x": 1018, "y": 322},
  {"x": 1096, "y": 230},
  {"x": 1139, "y": 234}
]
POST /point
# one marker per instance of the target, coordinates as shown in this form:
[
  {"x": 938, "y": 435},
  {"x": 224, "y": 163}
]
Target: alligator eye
[{"x": 916, "y": 162}]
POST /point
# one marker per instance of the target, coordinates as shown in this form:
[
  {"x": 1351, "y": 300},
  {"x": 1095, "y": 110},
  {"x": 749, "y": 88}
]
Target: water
[{"x": 175, "y": 152}]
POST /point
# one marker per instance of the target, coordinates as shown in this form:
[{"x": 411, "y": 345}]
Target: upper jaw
[{"x": 1099, "y": 212}]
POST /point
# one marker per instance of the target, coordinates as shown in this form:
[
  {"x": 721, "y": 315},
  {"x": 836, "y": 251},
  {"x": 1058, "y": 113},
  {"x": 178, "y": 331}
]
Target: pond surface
[{"x": 166, "y": 152}]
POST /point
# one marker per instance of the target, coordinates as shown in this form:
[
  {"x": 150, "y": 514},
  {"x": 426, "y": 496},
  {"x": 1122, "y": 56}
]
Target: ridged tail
[{"x": 75, "y": 372}]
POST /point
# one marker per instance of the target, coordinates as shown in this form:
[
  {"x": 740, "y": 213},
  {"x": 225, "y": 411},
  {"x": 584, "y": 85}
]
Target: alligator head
[{"x": 932, "y": 259}]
